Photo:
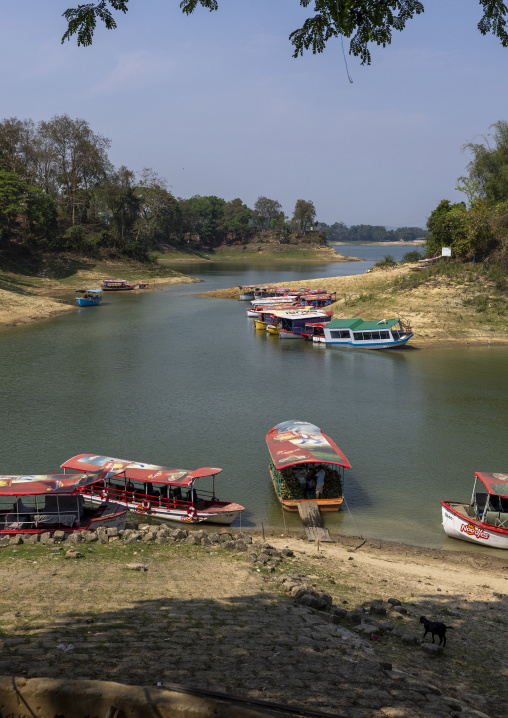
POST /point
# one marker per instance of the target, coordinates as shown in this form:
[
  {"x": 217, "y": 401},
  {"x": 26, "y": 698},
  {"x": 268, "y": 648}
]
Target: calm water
[{"x": 171, "y": 378}]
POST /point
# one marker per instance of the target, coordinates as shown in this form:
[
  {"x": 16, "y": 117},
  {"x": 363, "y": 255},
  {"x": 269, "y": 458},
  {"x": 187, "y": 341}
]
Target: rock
[
  {"x": 136, "y": 567},
  {"x": 309, "y": 600},
  {"x": 240, "y": 545},
  {"x": 90, "y": 536},
  {"x": 192, "y": 540},
  {"x": 252, "y": 557},
  {"x": 410, "y": 638},
  {"x": 400, "y": 609},
  {"x": 4, "y": 541},
  {"x": 112, "y": 531},
  {"x": 149, "y": 536},
  {"x": 378, "y": 609},
  {"x": 228, "y": 544},
  {"x": 15, "y": 540},
  {"x": 45, "y": 536},
  {"x": 339, "y": 614},
  {"x": 326, "y": 599},
  {"x": 31, "y": 538},
  {"x": 59, "y": 535},
  {"x": 368, "y": 629},
  {"x": 205, "y": 541},
  {"x": 74, "y": 554},
  {"x": 161, "y": 539},
  {"x": 354, "y": 616},
  {"x": 201, "y": 534},
  {"x": 394, "y": 601},
  {"x": 144, "y": 528},
  {"x": 214, "y": 537},
  {"x": 432, "y": 648},
  {"x": 265, "y": 545},
  {"x": 287, "y": 552},
  {"x": 180, "y": 534},
  {"x": 49, "y": 542}
]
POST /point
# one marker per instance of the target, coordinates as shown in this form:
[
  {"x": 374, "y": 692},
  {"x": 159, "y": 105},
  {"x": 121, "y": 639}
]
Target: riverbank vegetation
[
  {"x": 60, "y": 193},
  {"x": 365, "y": 233}
]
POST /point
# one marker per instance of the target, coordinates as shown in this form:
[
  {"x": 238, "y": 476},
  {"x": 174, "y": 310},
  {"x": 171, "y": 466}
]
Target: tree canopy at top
[{"x": 362, "y": 21}]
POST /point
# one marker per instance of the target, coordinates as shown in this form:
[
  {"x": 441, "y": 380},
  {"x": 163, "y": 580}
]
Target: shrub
[
  {"x": 387, "y": 262},
  {"x": 411, "y": 257}
]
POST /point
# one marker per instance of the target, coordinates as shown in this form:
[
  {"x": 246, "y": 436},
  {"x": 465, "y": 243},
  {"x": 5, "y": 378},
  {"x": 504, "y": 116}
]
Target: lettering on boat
[{"x": 476, "y": 531}]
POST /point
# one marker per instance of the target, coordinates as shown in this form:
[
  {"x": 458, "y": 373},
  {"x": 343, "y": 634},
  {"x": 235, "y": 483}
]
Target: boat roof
[
  {"x": 496, "y": 484},
  {"x": 305, "y": 312},
  {"x": 115, "y": 280},
  {"x": 360, "y": 325},
  {"x": 138, "y": 471},
  {"x": 298, "y": 442},
  {"x": 38, "y": 484},
  {"x": 89, "y": 291}
]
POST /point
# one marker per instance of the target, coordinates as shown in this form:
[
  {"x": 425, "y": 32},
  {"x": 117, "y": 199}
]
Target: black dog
[{"x": 437, "y": 629}]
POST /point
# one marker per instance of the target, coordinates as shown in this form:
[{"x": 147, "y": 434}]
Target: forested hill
[
  {"x": 59, "y": 192},
  {"x": 339, "y": 232}
]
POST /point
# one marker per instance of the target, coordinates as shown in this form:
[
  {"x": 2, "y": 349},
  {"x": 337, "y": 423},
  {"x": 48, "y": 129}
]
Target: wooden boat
[
  {"x": 34, "y": 504},
  {"x": 298, "y": 450},
  {"x": 88, "y": 297},
  {"x": 291, "y": 322},
  {"x": 117, "y": 285},
  {"x": 354, "y": 332},
  {"x": 314, "y": 331},
  {"x": 484, "y": 520},
  {"x": 247, "y": 292},
  {"x": 317, "y": 300},
  {"x": 158, "y": 491}
]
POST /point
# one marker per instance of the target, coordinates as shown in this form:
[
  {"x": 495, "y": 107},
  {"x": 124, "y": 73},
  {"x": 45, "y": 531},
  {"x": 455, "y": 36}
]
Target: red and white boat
[
  {"x": 118, "y": 285},
  {"x": 157, "y": 491},
  {"x": 484, "y": 520},
  {"x": 36, "y": 503}
]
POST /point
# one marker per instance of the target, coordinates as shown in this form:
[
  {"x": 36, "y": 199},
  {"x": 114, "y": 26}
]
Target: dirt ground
[
  {"x": 203, "y": 616},
  {"x": 436, "y": 310}
]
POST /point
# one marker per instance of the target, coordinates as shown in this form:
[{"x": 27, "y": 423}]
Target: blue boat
[
  {"x": 355, "y": 332},
  {"x": 88, "y": 297}
]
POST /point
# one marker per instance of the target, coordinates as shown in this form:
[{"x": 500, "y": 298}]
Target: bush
[
  {"x": 387, "y": 262},
  {"x": 411, "y": 257}
]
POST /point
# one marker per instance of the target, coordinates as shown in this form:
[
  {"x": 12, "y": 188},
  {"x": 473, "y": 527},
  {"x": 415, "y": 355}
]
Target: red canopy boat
[
  {"x": 32, "y": 504},
  {"x": 156, "y": 490},
  {"x": 306, "y": 465}
]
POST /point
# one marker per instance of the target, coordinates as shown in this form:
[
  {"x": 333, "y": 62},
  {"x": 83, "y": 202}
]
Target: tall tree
[
  {"x": 362, "y": 21},
  {"x": 266, "y": 210},
  {"x": 236, "y": 218},
  {"x": 488, "y": 170},
  {"x": 304, "y": 215}
]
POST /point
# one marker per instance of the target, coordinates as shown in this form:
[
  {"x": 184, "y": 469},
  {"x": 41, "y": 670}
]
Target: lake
[{"x": 170, "y": 378}]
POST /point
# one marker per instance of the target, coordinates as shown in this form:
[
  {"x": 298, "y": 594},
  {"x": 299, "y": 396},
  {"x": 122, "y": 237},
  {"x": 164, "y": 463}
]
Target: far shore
[{"x": 436, "y": 311}]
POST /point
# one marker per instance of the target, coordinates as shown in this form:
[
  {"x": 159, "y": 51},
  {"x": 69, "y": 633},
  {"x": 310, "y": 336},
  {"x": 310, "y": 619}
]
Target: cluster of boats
[
  {"x": 301, "y": 314},
  {"x": 93, "y": 297}
]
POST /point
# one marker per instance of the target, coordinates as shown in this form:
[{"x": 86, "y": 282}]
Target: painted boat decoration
[
  {"x": 34, "y": 504},
  {"x": 117, "y": 285},
  {"x": 88, "y": 297},
  {"x": 157, "y": 491},
  {"x": 484, "y": 520},
  {"x": 291, "y": 323},
  {"x": 355, "y": 332},
  {"x": 306, "y": 465}
]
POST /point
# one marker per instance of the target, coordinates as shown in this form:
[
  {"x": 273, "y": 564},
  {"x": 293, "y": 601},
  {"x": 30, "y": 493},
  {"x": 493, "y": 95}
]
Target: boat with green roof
[{"x": 355, "y": 332}]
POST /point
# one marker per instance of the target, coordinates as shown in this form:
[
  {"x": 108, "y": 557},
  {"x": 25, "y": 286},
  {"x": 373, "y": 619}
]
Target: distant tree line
[
  {"x": 59, "y": 192},
  {"x": 477, "y": 229},
  {"x": 339, "y": 232}
]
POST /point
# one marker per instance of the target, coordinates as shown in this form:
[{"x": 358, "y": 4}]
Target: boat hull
[
  {"x": 459, "y": 526},
  {"x": 218, "y": 513},
  {"x": 115, "y": 519},
  {"x": 374, "y": 344},
  {"x": 259, "y": 324},
  {"x": 88, "y": 302},
  {"x": 284, "y": 334},
  {"x": 272, "y": 329}
]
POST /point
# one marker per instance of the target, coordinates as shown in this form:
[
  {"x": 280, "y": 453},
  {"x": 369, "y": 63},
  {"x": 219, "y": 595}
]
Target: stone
[
  {"x": 205, "y": 541},
  {"x": 339, "y": 614},
  {"x": 144, "y": 528},
  {"x": 240, "y": 545},
  {"x": 287, "y": 552},
  {"x": 74, "y": 554},
  {"x": 149, "y": 536},
  {"x": 180, "y": 534},
  {"x": 4, "y": 541},
  {"x": 90, "y": 536},
  {"x": 354, "y": 616},
  {"x": 194, "y": 540},
  {"x": 45, "y": 536},
  {"x": 228, "y": 544},
  {"x": 326, "y": 599},
  {"x": 394, "y": 601},
  {"x": 378, "y": 609},
  {"x": 400, "y": 609},
  {"x": 31, "y": 538},
  {"x": 136, "y": 567},
  {"x": 161, "y": 539},
  {"x": 309, "y": 600},
  {"x": 112, "y": 531},
  {"x": 59, "y": 535},
  {"x": 74, "y": 537},
  {"x": 15, "y": 540},
  {"x": 410, "y": 638}
]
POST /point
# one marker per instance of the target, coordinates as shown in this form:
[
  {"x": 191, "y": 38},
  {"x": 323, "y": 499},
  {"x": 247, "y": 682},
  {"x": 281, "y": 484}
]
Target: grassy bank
[
  {"x": 240, "y": 632},
  {"x": 448, "y": 303},
  {"x": 28, "y": 295},
  {"x": 262, "y": 252}
]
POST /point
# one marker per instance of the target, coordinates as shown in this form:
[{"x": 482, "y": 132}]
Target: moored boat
[
  {"x": 484, "y": 520},
  {"x": 34, "y": 504},
  {"x": 306, "y": 465},
  {"x": 246, "y": 292},
  {"x": 117, "y": 285},
  {"x": 355, "y": 332},
  {"x": 157, "y": 491},
  {"x": 291, "y": 322},
  {"x": 88, "y": 297}
]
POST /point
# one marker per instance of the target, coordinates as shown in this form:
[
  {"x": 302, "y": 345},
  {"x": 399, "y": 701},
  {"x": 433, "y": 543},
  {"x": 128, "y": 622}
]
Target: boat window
[
  {"x": 367, "y": 335},
  {"x": 358, "y": 336},
  {"x": 384, "y": 335},
  {"x": 339, "y": 333},
  {"x": 375, "y": 335}
]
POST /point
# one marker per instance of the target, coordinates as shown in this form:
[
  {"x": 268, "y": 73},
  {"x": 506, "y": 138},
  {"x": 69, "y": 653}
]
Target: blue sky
[{"x": 215, "y": 103}]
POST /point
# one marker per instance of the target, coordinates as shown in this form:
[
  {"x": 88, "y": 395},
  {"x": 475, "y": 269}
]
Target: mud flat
[{"x": 332, "y": 628}]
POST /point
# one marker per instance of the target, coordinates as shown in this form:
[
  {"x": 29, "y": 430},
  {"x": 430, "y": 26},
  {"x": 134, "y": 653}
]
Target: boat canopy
[
  {"x": 360, "y": 325},
  {"x": 298, "y": 442},
  {"x": 37, "y": 484},
  {"x": 298, "y": 313},
  {"x": 88, "y": 291},
  {"x": 137, "y": 471},
  {"x": 496, "y": 484}
]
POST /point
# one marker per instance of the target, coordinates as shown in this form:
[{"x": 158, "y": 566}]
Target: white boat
[
  {"x": 247, "y": 292},
  {"x": 355, "y": 332},
  {"x": 484, "y": 520},
  {"x": 156, "y": 491},
  {"x": 273, "y": 300}
]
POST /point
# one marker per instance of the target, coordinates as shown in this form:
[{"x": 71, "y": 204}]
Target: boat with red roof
[
  {"x": 484, "y": 520},
  {"x": 306, "y": 465},
  {"x": 157, "y": 491},
  {"x": 37, "y": 503}
]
